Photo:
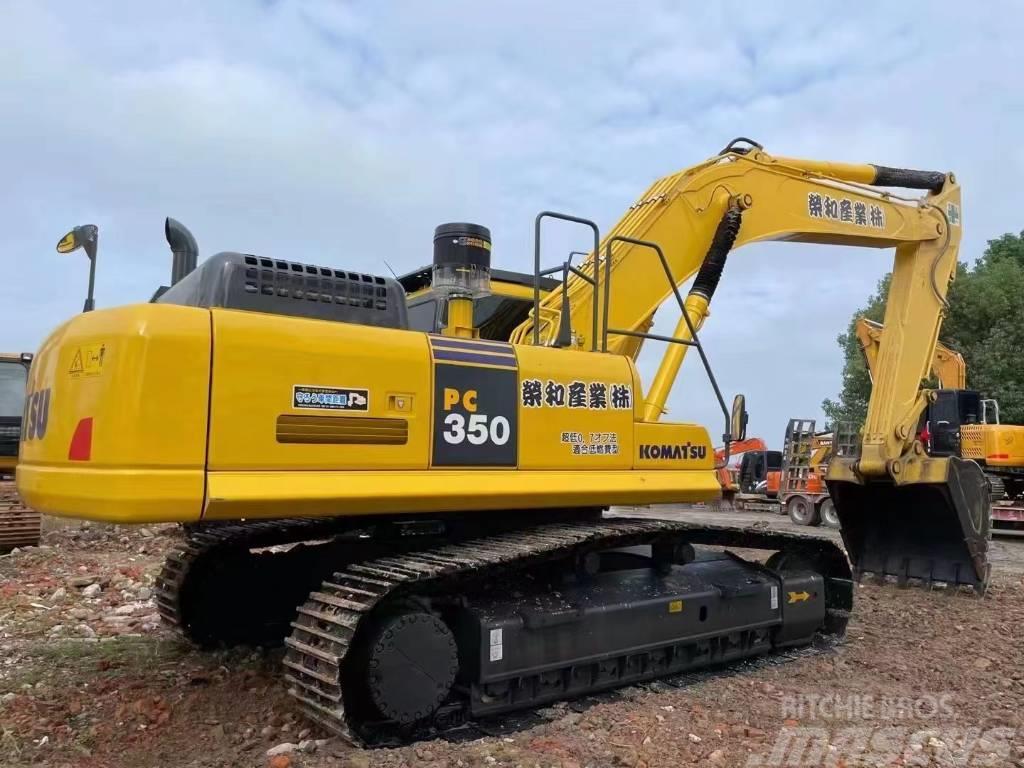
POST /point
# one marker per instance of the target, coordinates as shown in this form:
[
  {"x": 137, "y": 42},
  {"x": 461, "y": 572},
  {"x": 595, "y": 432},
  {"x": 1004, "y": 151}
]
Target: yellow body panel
[
  {"x": 552, "y": 433},
  {"x": 996, "y": 445},
  {"x": 316, "y": 494},
  {"x": 258, "y": 359},
  {"x": 147, "y": 399},
  {"x": 224, "y": 414}
]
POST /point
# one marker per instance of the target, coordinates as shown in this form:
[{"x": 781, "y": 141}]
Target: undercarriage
[{"x": 393, "y": 630}]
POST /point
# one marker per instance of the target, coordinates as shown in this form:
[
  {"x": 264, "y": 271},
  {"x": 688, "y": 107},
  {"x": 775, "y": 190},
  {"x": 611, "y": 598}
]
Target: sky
[{"x": 342, "y": 133}]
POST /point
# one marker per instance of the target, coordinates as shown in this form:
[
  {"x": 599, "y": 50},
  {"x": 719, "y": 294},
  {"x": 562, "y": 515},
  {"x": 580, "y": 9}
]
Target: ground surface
[{"x": 88, "y": 677}]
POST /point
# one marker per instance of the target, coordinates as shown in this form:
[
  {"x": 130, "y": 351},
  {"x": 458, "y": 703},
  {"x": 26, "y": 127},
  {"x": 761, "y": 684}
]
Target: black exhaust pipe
[{"x": 184, "y": 251}]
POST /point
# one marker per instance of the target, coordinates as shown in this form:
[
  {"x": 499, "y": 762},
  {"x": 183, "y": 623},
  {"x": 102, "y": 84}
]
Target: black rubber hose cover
[
  {"x": 909, "y": 179},
  {"x": 711, "y": 269}
]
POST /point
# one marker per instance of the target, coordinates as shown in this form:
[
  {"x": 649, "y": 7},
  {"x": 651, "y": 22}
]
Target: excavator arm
[
  {"x": 744, "y": 195},
  {"x": 948, "y": 366},
  {"x": 737, "y": 447}
]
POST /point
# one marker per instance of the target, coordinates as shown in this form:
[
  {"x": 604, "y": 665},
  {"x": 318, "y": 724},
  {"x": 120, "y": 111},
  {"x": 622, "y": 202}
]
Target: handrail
[
  {"x": 566, "y": 267},
  {"x": 694, "y": 340}
]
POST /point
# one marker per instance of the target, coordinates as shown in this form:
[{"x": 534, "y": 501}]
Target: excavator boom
[
  {"x": 745, "y": 195},
  {"x": 948, "y": 366}
]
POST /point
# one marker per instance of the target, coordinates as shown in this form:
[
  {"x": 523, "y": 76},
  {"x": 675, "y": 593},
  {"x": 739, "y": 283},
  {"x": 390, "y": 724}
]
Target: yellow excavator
[
  {"x": 960, "y": 422},
  {"x": 422, "y": 513},
  {"x": 948, "y": 367},
  {"x": 19, "y": 525}
]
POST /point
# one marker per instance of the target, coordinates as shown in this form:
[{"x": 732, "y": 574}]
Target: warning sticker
[
  {"x": 775, "y": 598},
  {"x": 496, "y": 646},
  {"x": 88, "y": 361},
  {"x": 330, "y": 398},
  {"x": 953, "y": 214}
]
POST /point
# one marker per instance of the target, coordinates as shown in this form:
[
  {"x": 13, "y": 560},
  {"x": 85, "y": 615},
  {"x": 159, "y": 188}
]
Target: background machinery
[
  {"x": 749, "y": 474},
  {"x": 422, "y": 513},
  {"x": 19, "y": 525},
  {"x": 806, "y": 455},
  {"x": 961, "y": 422}
]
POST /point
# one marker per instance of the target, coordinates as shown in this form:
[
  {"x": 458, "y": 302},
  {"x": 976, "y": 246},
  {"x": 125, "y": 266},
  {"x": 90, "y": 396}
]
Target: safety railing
[
  {"x": 693, "y": 341},
  {"x": 563, "y": 338},
  {"x": 564, "y": 333}
]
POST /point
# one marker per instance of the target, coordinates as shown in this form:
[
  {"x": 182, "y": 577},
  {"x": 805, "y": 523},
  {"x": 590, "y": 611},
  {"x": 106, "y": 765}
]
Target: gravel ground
[{"x": 88, "y": 677}]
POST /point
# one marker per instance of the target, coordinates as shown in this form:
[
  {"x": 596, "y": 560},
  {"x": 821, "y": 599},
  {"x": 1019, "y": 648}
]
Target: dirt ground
[{"x": 88, "y": 677}]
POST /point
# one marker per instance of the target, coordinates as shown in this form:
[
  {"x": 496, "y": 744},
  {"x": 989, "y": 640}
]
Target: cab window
[{"x": 13, "y": 377}]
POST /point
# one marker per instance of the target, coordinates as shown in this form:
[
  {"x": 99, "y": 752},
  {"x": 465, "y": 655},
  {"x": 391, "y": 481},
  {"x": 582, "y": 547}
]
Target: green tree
[{"x": 985, "y": 324}]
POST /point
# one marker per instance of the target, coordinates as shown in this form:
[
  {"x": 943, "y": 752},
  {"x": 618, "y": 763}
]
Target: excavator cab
[
  {"x": 951, "y": 409},
  {"x": 13, "y": 377},
  {"x": 755, "y": 467},
  {"x": 19, "y": 525}
]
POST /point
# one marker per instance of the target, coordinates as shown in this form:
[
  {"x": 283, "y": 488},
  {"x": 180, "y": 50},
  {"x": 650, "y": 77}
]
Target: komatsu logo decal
[{"x": 673, "y": 451}]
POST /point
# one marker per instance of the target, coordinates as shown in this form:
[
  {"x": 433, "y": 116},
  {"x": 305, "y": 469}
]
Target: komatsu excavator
[{"x": 423, "y": 511}]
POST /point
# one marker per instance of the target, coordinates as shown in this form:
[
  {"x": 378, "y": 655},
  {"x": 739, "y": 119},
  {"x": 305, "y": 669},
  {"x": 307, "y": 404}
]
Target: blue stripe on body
[
  {"x": 471, "y": 345},
  {"x": 458, "y": 356}
]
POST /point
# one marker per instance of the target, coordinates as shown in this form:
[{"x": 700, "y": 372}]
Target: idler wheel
[{"x": 411, "y": 665}]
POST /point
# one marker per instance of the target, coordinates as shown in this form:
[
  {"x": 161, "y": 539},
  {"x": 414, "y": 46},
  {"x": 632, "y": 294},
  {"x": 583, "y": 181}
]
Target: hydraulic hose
[
  {"x": 694, "y": 311},
  {"x": 714, "y": 262}
]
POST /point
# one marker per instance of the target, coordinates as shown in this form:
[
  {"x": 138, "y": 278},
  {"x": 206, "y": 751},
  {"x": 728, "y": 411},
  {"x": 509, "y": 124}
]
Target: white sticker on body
[
  {"x": 496, "y": 652},
  {"x": 495, "y": 637},
  {"x": 775, "y": 598}
]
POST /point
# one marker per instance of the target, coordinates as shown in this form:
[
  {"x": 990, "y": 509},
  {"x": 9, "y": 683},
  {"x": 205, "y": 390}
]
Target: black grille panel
[{"x": 257, "y": 283}]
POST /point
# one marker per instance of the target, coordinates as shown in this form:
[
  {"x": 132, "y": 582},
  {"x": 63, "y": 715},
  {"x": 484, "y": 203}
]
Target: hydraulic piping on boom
[{"x": 904, "y": 513}]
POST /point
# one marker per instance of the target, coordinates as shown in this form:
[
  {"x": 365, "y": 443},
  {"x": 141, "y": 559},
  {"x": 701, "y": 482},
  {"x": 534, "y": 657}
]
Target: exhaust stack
[{"x": 184, "y": 251}]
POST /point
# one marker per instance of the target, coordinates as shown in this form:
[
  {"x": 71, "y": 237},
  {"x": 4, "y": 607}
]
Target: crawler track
[
  {"x": 19, "y": 525},
  {"x": 358, "y": 577}
]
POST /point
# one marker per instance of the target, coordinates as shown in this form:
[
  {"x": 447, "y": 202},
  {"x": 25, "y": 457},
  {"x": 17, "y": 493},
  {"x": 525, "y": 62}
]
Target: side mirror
[
  {"x": 80, "y": 237},
  {"x": 738, "y": 420},
  {"x": 85, "y": 237}
]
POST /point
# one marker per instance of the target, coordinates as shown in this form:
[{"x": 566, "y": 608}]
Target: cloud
[{"x": 342, "y": 133}]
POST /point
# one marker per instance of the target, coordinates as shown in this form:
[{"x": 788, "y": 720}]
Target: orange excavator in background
[
  {"x": 749, "y": 474},
  {"x": 790, "y": 481}
]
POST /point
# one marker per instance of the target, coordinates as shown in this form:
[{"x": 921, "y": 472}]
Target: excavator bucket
[{"x": 927, "y": 532}]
